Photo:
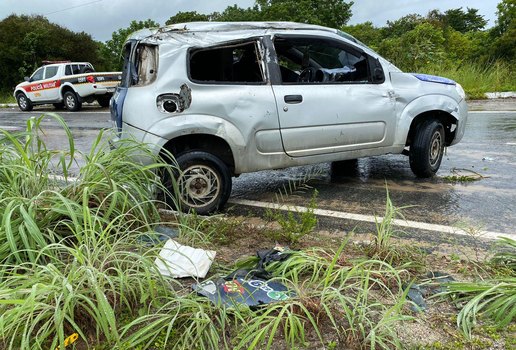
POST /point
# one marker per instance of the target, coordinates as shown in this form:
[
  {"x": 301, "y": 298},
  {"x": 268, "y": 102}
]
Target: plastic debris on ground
[
  {"x": 433, "y": 283},
  {"x": 159, "y": 235},
  {"x": 251, "y": 291},
  {"x": 252, "y": 287},
  {"x": 176, "y": 260}
]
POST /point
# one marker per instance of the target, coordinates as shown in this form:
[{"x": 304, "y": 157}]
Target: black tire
[
  {"x": 104, "y": 101},
  {"x": 24, "y": 102},
  {"x": 71, "y": 101},
  {"x": 59, "y": 105},
  {"x": 204, "y": 183},
  {"x": 427, "y": 149}
]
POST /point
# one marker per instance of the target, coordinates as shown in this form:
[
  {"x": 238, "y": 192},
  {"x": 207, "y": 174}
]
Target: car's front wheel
[
  {"x": 23, "y": 102},
  {"x": 71, "y": 101},
  {"x": 427, "y": 148},
  {"x": 204, "y": 182}
]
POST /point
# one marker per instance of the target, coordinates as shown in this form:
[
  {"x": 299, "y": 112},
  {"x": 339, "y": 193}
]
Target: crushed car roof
[{"x": 211, "y": 27}]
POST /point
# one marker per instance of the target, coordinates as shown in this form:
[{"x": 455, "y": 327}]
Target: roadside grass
[
  {"x": 383, "y": 245},
  {"x": 7, "y": 97},
  {"x": 494, "y": 298},
  {"x": 477, "y": 79},
  {"x": 294, "y": 225},
  {"x": 73, "y": 259}
]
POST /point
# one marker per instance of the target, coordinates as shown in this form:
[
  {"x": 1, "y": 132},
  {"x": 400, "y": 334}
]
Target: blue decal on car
[{"x": 434, "y": 79}]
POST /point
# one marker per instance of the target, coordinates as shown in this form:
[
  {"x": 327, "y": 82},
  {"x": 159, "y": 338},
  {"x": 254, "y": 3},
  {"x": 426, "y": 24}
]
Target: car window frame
[
  {"x": 275, "y": 68},
  {"x": 53, "y": 75},
  {"x": 32, "y": 78},
  {"x": 261, "y": 49}
]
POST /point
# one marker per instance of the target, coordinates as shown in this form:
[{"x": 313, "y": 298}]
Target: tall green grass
[
  {"x": 7, "y": 97},
  {"x": 479, "y": 78},
  {"x": 492, "y": 300},
  {"x": 72, "y": 261},
  {"x": 359, "y": 304},
  {"x": 38, "y": 209}
]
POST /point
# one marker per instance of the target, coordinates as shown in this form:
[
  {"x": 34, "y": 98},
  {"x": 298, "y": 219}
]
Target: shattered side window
[
  {"x": 146, "y": 65},
  {"x": 317, "y": 60},
  {"x": 239, "y": 63}
]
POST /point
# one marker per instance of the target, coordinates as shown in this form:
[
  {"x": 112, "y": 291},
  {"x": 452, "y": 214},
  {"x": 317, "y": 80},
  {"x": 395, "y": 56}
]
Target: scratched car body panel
[{"x": 255, "y": 96}]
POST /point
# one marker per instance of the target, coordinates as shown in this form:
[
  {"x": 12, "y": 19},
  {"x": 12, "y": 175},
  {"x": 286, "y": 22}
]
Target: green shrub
[
  {"x": 294, "y": 224},
  {"x": 478, "y": 78}
]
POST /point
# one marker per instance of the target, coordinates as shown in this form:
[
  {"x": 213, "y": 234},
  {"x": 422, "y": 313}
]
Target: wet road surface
[
  {"x": 488, "y": 148},
  {"x": 84, "y": 126}
]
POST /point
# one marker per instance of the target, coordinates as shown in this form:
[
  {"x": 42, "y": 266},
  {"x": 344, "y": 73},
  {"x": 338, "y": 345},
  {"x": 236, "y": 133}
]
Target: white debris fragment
[{"x": 176, "y": 260}]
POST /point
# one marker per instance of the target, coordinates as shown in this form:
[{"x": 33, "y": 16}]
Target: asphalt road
[{"x": 488, "y": 149}]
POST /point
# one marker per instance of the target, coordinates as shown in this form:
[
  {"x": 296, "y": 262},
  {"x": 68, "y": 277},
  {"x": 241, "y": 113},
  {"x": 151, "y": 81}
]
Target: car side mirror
[{"x": 26, "y": 78}]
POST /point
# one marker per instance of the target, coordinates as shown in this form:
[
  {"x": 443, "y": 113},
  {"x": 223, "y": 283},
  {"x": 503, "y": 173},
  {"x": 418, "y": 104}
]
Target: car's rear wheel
[
  {"x": 71, "y": 101},
  {"x": 427, "y": 149},
  {"x": 104, "y": 101},
  {"x": 203, "y": 183},
  {"x": 23, "y": 102}
]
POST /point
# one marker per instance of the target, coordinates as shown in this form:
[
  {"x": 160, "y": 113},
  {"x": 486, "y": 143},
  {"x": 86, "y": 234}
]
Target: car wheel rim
[
  {"x": 70, "y": 102},
  {"x": 199, "y": 186},
  {"x": 435, "y": 148},
  {"x": 23, "y": 102}
]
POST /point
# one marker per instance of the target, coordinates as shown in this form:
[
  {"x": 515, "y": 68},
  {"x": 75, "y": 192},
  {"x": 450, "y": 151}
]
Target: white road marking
[
  {"x": 350, "y": 216},
  {"x": 372, "y": 219},
  {"x": 11, "y": 127},
  {"x": 491, "y": 112}
]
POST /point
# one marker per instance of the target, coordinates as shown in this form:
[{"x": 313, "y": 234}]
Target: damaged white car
[{"x": 231, "y": 98}]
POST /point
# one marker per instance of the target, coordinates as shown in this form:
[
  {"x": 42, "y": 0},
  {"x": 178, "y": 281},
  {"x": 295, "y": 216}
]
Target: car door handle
[{"x": 293, "y": 99}]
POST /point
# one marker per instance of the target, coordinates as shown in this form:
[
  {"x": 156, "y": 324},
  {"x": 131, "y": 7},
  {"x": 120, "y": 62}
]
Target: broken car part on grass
[{"x": 252, "y": 287}]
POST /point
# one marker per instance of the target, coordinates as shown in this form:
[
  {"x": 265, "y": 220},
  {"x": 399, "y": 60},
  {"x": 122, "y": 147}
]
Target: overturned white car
[{"x": 230, "y": 98}]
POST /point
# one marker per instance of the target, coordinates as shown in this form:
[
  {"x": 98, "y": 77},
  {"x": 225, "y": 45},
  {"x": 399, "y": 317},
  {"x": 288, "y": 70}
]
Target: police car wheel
[
  {"x": 71, "y": 101},
  {"x": 24, "y": 103}
]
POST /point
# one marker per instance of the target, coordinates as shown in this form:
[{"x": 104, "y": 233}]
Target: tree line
[{"x": 413, "y": 42}]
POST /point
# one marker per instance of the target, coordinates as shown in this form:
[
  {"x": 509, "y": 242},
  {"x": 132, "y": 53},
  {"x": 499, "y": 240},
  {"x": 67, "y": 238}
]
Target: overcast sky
[{"x": 100, "y": 18}]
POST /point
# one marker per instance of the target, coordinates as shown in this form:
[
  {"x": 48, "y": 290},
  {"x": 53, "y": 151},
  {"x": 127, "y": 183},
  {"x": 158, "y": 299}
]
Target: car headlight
[{"x": 460, "y": 91}]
